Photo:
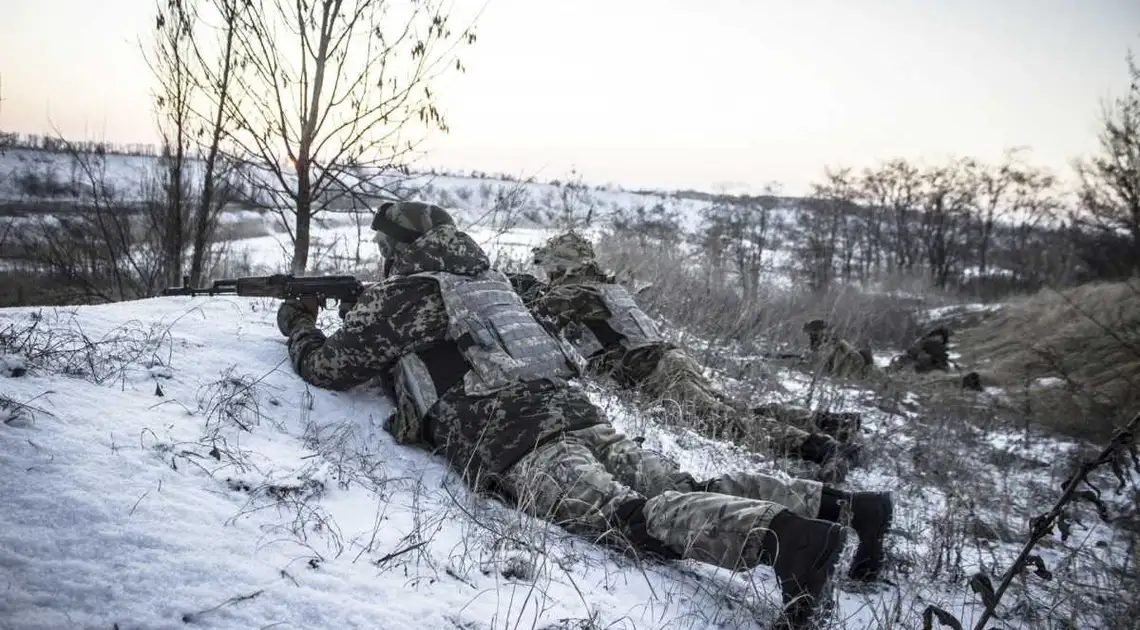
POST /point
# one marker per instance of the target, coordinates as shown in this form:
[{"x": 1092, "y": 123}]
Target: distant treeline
[{"x": 58, "y": 145}]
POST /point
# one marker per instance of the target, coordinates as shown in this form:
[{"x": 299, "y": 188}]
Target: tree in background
[
  {"x": 329, "y": 93},
  {"x": 1109, "y": 193},
  {"x": 193, "y": 58},
  {"x": 170, "y": 60}
]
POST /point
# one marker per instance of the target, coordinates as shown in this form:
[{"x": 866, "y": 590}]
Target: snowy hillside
[
  {"x": 162, "y": 466},
  {"x": 33, "y": 175}
]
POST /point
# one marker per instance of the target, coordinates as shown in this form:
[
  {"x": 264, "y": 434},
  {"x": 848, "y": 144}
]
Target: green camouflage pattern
[
  {"x": 834, "y": 356},
  {"x": 409, "y": 218},
  {"x": 581, "y": 481},
  {"x": 928, "y": 353},
  {"x": 564, "y": 252},
  {"x": 663, "y": 373},
  {"x": 480, "y": 436}
]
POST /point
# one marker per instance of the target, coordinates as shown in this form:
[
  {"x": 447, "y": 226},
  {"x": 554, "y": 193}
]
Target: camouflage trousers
[
  {"x": 581, "y": 481},
  {"x": 677, "y": 382},
  {"x": 841, "y": 359}
]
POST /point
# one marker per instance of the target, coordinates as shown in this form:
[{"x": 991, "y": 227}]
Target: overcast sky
[{"x": 672, "y": 93}]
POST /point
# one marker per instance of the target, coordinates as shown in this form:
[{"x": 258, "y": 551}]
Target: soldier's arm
[
  {"x": 529, "y": 287},
  {"x": 388, "y": 321},
  {"x": 531, "y": 290}
]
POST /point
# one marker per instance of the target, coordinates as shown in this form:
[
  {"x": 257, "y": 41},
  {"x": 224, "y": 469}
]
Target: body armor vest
[
  {"x": 626, "y": 317},
  {"x": 502, "y": 344}
]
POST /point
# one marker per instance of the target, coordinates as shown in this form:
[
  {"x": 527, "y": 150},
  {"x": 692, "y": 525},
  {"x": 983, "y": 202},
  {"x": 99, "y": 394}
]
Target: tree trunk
[
  {"x": 304, "y": 217},
  {"x": 203, "y": 218},
  {"x": 172, "y": 254}
]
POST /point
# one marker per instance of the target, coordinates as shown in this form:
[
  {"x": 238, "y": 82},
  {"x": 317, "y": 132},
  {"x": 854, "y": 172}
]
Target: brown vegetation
[{"x": 1071, "y": 358}]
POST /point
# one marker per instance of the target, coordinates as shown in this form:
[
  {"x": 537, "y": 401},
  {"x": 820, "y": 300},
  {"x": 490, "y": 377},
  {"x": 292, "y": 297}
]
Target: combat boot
[
  {"x": 871, "y": 514},
  {"x": 803, "y": 553},
  {"x": 841, "y": 425},
  {"x": 633, "y": 534},
  {"x": 834, "y": 459}
]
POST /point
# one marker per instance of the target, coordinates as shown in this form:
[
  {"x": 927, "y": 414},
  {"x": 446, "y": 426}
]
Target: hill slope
[{"x": 162, "y": 466}]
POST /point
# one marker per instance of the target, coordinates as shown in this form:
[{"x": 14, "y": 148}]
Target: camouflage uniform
[
  {"x": 627, "y": 347},
  {"x": 928, "y": 353},
  {"x": 835, "y": 356},
  {"x": 931, "y": 353},
  {"x": 432, "y": 323}
]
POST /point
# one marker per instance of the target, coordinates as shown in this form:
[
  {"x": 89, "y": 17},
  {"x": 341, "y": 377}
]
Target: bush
[
  {"x": 693, "y": 294},
  {"x": 1072, "y": 357}
]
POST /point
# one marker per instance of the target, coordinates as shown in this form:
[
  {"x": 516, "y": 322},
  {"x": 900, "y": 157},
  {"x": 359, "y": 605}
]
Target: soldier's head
[
  {"x": 940, "y": 333},
  {"x": 816, "y": 330},
  {"x": 563, "y": 253},
  {"x": 398, "y": 224}
]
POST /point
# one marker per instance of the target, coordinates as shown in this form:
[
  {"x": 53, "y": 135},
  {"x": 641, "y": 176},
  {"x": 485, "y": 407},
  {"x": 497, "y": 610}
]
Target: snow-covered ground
[{"x": 162, "y": 466}]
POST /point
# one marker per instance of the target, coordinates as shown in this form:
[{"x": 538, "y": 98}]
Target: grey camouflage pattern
[
  {"x": 580, "y": 481},
  {"x": 480, "y": 436}
]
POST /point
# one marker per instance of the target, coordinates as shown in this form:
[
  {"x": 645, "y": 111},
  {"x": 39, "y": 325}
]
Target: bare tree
[
  {"x": 215, "y": 82},
  {"x": 894, "y": 189},
  {"x": 738, "y": 229},
  {"x": 1110, "y": 182},
  {"x": 820, "y": 223},
  {"x": 328, "y": 87},
  {"x": 170, "y": 61},
  {"x": 193, "y": 73},
  {"x": 947, "y": 197}
]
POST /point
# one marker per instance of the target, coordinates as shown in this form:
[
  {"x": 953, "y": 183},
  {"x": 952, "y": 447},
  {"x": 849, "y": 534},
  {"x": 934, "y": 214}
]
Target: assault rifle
[{"x": 343, "y": 289}]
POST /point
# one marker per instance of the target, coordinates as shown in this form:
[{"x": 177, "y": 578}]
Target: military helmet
[
  {"x": 941, "y": 333},
  {"x": 564, "y": 252},
  {"x": 402, "y": 222},
  {"x": 815, "y": 326}
]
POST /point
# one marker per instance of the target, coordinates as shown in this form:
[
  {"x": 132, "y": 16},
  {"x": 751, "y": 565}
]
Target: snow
[
  {"x": 474, "y": 199},
  {"x": 943, "y": 312},
  {"x": 162, "y": 465},
  {"x": 161, "y": 509}
]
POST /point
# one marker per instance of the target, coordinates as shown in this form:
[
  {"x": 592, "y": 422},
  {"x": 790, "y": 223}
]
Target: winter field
[{"x": 161, "y": 466}]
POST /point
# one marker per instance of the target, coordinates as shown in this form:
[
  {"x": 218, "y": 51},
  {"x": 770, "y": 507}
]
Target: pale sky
[{"x": 672, "y": 93}]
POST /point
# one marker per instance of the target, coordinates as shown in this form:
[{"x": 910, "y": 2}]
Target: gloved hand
[
  {"x": 292, "y": 312},
  {"x": 344, "y": 308}
]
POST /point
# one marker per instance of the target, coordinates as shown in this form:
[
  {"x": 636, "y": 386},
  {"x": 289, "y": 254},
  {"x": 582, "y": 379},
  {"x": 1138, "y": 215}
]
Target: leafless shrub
[
  {"x": 686, "y": 291},
  {"x": 56, "y": 343}
]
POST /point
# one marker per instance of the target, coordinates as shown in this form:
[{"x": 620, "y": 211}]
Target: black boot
[
  {"x": 803, "y": 553},
  {"x": 870, "y": 514},
  {"x": 841, "y": 425},
  {"x": 833, "y": 458},
  {"x": 634, "y": 532},
  {"x": 818, "y": 448}
]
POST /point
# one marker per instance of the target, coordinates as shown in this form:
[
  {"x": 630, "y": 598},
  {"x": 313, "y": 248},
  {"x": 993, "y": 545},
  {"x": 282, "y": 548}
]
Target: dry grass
[
  {"x": 1085, "y": 340},
  {"x": 694, "y": 295}
]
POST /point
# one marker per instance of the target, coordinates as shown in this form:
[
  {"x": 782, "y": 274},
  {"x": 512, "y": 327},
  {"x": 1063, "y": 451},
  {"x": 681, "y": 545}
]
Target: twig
[
  {"x": 1042, "y": 525},
  {"x": 400, "y": 552},
  {"x": 192, "y": 617}
]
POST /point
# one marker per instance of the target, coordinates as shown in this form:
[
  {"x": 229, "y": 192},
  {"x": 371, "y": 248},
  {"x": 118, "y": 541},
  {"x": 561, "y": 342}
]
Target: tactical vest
[
  {"x": 626, "y": 317},
  {"x": 498, "y": 339}
]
